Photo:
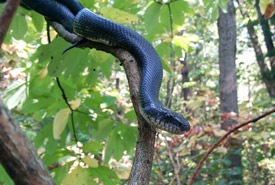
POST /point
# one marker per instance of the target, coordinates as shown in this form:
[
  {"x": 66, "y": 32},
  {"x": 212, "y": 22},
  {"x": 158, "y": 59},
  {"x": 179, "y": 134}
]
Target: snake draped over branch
[{"x": 85, "y": 23}]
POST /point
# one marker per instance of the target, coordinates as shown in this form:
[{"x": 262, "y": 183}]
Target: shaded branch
[
  {"x": 6, "y": 17},
  {"x": 224, "y": 137}
]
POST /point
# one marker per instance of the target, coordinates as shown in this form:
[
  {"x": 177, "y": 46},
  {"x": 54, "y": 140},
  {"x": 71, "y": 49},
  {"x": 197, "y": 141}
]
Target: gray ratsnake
[{"x": 83, "y": 22}]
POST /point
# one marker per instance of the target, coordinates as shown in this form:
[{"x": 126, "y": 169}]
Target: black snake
[{"x": 83, "y": 22}]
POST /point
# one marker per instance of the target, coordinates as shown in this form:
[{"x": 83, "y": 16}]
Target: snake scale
[{"x": 85, "y": 23}]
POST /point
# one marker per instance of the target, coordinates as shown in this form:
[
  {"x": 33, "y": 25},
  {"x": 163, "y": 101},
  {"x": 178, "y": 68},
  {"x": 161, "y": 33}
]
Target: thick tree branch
[
  {"x": 6, "y": 17},
  {"x": 143, "y": 160},
  {"x": 223, "y": 138},
  {"x": 17, "y": 154}
]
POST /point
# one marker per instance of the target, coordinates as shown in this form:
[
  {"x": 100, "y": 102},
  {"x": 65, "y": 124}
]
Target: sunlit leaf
[
  {"x": 44, "y": 72},
  {"x": 151, "y": 16},
  {"x": 78, "y": 176},
  {"x": 60, "y": 122},
  {"x": 75, "y": 103},
  {"x": 118, "y": 16},
  {"x": 90, "y": 161}
]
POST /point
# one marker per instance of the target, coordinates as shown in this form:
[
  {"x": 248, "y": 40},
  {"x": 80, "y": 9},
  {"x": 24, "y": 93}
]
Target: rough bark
[
  {"x": 17, "y": 154},
  {"x": 6, "y": 17},
  {"x": 228, "y": 83}
]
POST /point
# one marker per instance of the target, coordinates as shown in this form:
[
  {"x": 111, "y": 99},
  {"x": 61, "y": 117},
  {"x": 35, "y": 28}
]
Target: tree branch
[
  {"x": 6, "y": 17},
  {"x": 141, "y": 170},
  {"x": 224, "y": 137}
]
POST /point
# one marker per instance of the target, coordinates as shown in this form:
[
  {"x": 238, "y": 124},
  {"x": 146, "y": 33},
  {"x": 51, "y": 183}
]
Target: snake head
[
  {"x": 165, "y": 119},
  {"x": 174, "y": 122}
]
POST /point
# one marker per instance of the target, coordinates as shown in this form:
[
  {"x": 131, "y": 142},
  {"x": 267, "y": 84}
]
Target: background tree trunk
[{"x": 228, "y": 87}]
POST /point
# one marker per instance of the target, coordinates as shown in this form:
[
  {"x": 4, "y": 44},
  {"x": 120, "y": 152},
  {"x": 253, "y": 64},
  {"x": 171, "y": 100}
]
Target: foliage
[{"x": 104, "y": 119}]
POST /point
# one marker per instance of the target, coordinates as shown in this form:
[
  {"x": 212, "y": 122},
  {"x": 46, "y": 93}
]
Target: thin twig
[
  {"x": 159, "y": 166},
  {"x": 176, "y": 169},
  {"x": 6, "y": 17},
  {"x": 72, "y": 112},
  {"x": 222, "y": 138}
]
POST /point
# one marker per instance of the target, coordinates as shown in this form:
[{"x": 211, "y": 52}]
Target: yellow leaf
[
  {"x": 235, "y": 136},
  {"x": 123, "y": 173},
  {"x": 90, "y": 161},
  {"x": 118, "y": 16},
  {"x": 75, "y": 104},
  {"x": 222, "y": 150},
  {"x": 44, "y": 72},
  {"x": 269, "y": 11},
  {"x": 184, "y": 41},
  {"x": 219, "y": 132},
  {"x": 78, "y": 176},
  {"x": 263, "y": 4},
  {"x": 60, "y": 122}
]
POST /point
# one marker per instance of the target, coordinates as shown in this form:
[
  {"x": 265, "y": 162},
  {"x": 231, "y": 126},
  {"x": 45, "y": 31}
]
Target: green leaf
[
  {"x": 78, "y": 176},
  {"x": 104, "y": 128},
  {"x": 215, "y": 14},
  {"x": 88, "y": 3},
  {"x": 38, "y": 21},
  {"x": 53, "y": 52},
  {"x": 106, "y": 67},
  {"x": 118, "y": 16},
  {"x": 49, "y": 159},
  {"x": 107, "y": 102},
  {"x": 105, "y": 175},
  {"x": 44, "y": 133},
  {"x": 122, "y": 138},
  {"x": 61, "y": 172},
  {"x": 51, "y": 146},
  {"x": 177, "y": 13},
  {"x": 114, "y": 147},
  {"x": 19, "y": 26},
  {"x": 75, "y": 62},
  {"x": 92, "y": 147},
  {"x": 151, "y": 15},
  {"x": 131, "y": 115},
  {"x": 164, "y": 50},
  {"x": 16, "y": 93},
  {"x": 165, "y": 17},
  {"x": 4, "y": 177}
]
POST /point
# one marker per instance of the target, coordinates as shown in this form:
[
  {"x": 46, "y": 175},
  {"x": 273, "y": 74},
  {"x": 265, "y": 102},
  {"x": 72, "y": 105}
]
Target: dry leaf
[
  {"x": 75, "y": 104},
  {"x": 60, "y": 122},
  {"x": 269, "y": 11}
]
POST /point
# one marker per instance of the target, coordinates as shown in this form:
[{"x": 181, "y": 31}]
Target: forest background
[{"x": 188, "y": 36}]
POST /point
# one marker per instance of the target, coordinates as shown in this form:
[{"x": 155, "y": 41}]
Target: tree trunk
[
  {"x": 228, "y": 88},
  {"x": 17, "y": 154}
]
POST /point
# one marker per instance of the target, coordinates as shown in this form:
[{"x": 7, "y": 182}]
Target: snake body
[{"x": 91, "y": 26}]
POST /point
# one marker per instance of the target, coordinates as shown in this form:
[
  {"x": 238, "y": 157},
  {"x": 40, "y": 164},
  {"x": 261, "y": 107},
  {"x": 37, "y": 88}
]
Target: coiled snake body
[{"x": 89, "y": 25}]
